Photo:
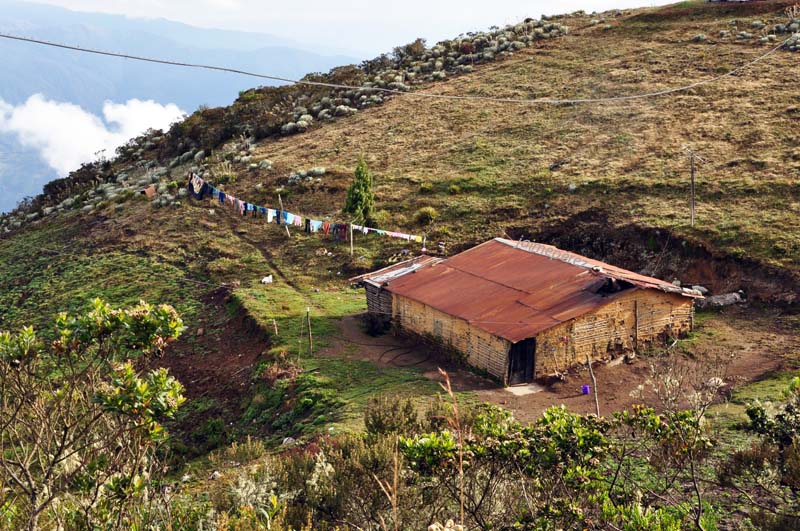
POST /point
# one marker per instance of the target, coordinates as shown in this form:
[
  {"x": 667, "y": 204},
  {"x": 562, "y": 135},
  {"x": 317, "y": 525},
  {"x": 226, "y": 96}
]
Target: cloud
[{"x": 66, "y": 136}]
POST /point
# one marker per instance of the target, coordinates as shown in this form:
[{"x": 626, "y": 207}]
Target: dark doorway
[{"x": 520, "y": 362}]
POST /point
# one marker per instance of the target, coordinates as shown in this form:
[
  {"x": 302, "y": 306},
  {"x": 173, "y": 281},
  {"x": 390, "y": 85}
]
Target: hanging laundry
[
  {"x": 339, "y": 231},
  {"x": 198, "y": 187}
]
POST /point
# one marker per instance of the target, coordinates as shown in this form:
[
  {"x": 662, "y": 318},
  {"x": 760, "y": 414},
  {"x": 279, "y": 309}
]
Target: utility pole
[
  {"x": 691, "y": 156},
  {"x": 694, "y": 158}
]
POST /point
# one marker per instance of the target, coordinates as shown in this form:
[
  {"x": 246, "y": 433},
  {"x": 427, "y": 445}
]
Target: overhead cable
[{"x": 413, "y": 94}]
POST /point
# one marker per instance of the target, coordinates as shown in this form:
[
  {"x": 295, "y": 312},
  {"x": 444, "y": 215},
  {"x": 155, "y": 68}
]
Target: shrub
[
  {"x": 387, "y": 415},
  {"x": 381, "y": 218},
  {"x": 426, "y": 188},
  {"x": 454, "y": 189},
  {"x": 79, "y": 423},
  {"x": 377, "y": 325},
  {"x": 426, "y": 215}
]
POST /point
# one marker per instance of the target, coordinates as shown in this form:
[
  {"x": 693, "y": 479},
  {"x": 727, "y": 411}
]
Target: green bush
[
  {"x": 426, "y": 215},
  {"x": 454, "y": 189},
  {"x": 381, "y": 218},
  {"x": 426, "y": 188},
  {"x": 386, "y": 415}
]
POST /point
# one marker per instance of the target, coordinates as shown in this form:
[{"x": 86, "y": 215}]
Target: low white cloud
[{"x": 66, "y": 136}]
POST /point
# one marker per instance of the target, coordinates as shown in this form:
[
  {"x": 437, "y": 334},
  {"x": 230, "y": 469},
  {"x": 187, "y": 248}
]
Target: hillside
[
  {"x": 89, "y": 82},
  {"x": 607, "y": 180}
]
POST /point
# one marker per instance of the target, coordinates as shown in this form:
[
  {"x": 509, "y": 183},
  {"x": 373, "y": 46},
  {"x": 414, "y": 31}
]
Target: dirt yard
[{"x": 755, "y": 342}]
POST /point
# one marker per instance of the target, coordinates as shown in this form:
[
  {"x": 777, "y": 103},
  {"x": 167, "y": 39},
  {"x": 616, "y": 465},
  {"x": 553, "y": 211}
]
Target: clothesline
[{"x": 199, "y": 189}]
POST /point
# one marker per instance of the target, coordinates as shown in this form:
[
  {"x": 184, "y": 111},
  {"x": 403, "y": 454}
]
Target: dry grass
[{"x": 500, "y": 154}]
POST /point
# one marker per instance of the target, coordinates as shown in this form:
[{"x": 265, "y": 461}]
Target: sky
[{"x": 364, "y": 27}]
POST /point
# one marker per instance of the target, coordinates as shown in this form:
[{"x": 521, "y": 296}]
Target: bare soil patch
[
  {"x": 755, "y": 344},
  {"x": 217, "y": 362}
]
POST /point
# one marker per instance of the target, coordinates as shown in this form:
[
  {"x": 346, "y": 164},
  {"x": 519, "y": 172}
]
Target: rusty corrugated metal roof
[{"x": 514, "y": 290}]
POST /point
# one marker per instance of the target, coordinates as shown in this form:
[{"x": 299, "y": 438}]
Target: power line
[{"x": 536, "y": 101}]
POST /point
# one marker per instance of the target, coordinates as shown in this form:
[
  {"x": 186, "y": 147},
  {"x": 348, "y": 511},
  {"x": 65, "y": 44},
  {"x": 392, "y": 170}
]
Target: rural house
[{"x": 522, "y": 310}]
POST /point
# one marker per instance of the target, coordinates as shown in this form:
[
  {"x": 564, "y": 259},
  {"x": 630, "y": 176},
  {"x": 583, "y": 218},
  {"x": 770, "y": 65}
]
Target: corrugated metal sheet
[
  {"x": 511, "y": 291},
  {"x": 382, "y": 276}
]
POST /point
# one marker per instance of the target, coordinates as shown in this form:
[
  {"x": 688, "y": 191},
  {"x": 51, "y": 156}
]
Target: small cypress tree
[{"x": 360, "y": 198}]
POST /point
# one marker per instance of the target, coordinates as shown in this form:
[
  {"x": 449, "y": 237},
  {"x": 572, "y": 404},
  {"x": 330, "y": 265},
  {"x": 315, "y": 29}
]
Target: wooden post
[
  {"x": 351, "y": 238},
  {"x": 594, "y": 382},
  {"x": 275, "y": 326},
  {"x": 636, "y": 327},
  {"x": 308, "y": 320},
  {"x": 281, "y": 220},
  {"x": 691, "y": 158}
]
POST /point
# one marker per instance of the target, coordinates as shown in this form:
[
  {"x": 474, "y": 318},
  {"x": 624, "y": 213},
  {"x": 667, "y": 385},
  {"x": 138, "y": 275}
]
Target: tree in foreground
[
  {"x": 360, "y": 200},
  {"x": 79, "y": 426}
]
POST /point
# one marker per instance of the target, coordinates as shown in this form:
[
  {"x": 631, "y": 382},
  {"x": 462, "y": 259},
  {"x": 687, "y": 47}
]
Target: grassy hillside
[{"x": 609, "y": 180}]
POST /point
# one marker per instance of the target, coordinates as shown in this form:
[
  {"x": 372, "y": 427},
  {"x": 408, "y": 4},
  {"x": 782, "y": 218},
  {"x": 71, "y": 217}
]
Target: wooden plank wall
[
  {"x": 379, "y": 301},
  {"x": 480, "y": 348},
  {"x": 611, "y": 330}
]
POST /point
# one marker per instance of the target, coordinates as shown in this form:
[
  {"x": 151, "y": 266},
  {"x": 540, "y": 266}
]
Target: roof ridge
[
  {"x": 612, "y": 271},
  {"x": 549, "y": 251}
]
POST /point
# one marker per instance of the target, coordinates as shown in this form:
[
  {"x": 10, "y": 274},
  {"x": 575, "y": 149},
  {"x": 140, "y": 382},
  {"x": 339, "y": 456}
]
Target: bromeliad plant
[{"x": 78, "y": 425}]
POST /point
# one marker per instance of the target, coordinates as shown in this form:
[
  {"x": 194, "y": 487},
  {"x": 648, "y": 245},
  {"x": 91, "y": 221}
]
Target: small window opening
[{"x": 612, "y": 285}]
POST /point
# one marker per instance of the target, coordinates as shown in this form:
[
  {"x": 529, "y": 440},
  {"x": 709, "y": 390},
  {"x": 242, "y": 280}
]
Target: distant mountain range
[{"x": 88, "y": 80}]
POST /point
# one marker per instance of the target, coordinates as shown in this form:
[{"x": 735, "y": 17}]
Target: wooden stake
[
  {"x": 281, "y": 218},
  {"x": 636, "y": 327},
  {"x": 275, "y": 326},
  {"x": 351, "y": 239},
  {"x": 310, "y": 342},
  {"x": 594, "y": 383}
]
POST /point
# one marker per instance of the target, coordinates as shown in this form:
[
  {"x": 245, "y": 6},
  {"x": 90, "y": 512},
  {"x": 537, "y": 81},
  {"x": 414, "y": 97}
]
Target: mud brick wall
[
  {"x": 480, "y": 348},
  {"x": 612, "y": 330}
]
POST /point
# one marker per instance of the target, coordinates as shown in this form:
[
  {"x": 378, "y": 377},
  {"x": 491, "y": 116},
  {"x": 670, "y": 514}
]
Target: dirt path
[
  {"x": 752, "y": 341},
  {"x": 391, "y": 350}
]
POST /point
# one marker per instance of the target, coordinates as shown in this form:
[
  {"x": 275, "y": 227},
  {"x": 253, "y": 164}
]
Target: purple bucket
[{"x": 585, "y": 389}]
